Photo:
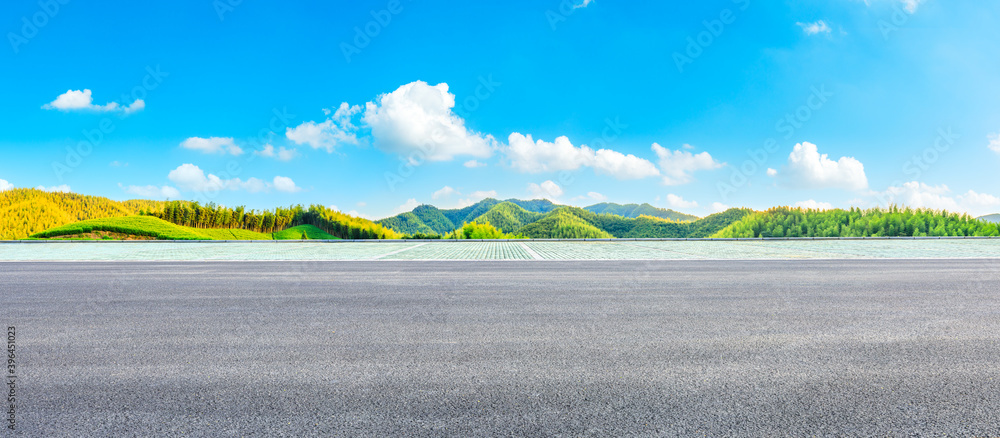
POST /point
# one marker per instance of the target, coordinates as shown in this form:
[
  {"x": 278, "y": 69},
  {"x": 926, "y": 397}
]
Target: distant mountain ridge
[
  {"x": 995, "y": 218},
  {"x": 428, "y": 219},
  {"x": 541, "y": 219},
  {"x": 636, "y": 210}
]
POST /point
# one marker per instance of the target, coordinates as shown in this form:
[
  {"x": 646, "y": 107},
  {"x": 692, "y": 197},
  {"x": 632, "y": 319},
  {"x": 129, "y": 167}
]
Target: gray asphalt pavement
[{"x": 610, "y": 348}]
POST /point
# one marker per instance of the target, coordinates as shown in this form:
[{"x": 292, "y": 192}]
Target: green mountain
[
  {"x": 428, "y": 219},
  {"x": 508, "y": 217},
  {"x": 636, "y": 210},
  {"x": 995, "y": 218},
  {"x": 563, "y": 223},
  {"x": 573, "y": 222},
  {"x": 544, "y": 220}
]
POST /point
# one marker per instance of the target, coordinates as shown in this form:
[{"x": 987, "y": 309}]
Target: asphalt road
[{"x": 690, "y": 348}]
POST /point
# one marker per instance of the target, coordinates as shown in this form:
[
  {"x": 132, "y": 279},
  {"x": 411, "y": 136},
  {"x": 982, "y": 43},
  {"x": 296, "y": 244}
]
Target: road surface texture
[
  {"x": 619, "y": 249},
  {"x": 534, "y": 348}
]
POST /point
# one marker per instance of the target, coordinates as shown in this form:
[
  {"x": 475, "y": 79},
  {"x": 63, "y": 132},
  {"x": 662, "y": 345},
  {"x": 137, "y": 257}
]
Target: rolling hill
[
  {"x": 428, "y": 219},
  {"x": 24, "y": 212},
  {"x": 508, "y": 217},
  {"x": 544, "y": 220},
  {"x": 148, "y": 227},
  {"x": 563, "y": 224},
  {"x": 610, "y": 225}
]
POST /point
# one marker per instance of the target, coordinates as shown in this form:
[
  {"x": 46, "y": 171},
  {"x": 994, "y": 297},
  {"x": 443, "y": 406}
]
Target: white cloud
[
  {"x": 807, "y": 168},
  {"x": 584, "y": 4},
  {"x": 152, "y": 192},
  {"x": 191, "y": 178},
  {"x": 409, "y": 205},
  {"x": 285, "y": 184},
  {"x": 675, "y": 201},
  {"x": 979, "y": 204},
  {"x": 444, "y": 193},
  {"x": 919, "y": 195},
  {"x": 212, "y": 145},
  {"x": 55, "y": 189},
  {"x": 621, "y": 166},
  {"x": 995, "y": 142},
  {"x": 135, "y": 107},
  {"x": 772, "y": 172},
  {"x": 527, "y": 155},
  {"x": 909, "y": 5},
  {"x": 814, "y": 205},
  {"x": 546, "y": 190},
  {"x": 362, "y": 204},
  {"x": 472, "y": 164},
  {"x": 678, "y": 166},
  {"x": 416, "y": 121},
  {"x": 476, "y": 196},
  {"x": 117, "y": 164},
  {"x": 4, "y": 185},
  {"x": 329, "y": 134},
  {"x": 814, "y": 28},
  {"x": 77, "y": 100},
  {"x": 280, "y": 154},
  {"x": 718, "y": 207}
]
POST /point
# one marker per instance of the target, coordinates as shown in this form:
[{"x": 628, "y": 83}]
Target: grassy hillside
[
  {"x": 636, "y": 210},
  {"x": 310, "y": 232},
  {"x": 468, "y": 214},
  {"x": 154, "y": 228},
  {"x": 892, "y": 222},
  {"x": 563, "y": 224},
  {"x": 428, "y": 219},
  {"x": 24, "y": 212},
  {"x": 133, "y": 226},
  {"x": 508, "y": 217},
  {"x": 425, "y": 219},
  {"x": 994, "y": 218}
]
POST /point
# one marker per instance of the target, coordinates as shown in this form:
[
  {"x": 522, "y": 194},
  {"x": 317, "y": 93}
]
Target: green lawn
[
  {"x": 311, "y": 232},
  {"x": 162, "y": 230}
]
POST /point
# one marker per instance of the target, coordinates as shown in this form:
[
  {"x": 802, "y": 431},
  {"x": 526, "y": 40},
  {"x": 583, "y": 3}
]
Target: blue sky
[{"x": 377, "y": 106}]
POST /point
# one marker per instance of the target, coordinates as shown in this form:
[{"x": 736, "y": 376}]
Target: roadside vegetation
[
  {"x": 33, "y": 213},
  {"x": 891, "y": 222}
]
